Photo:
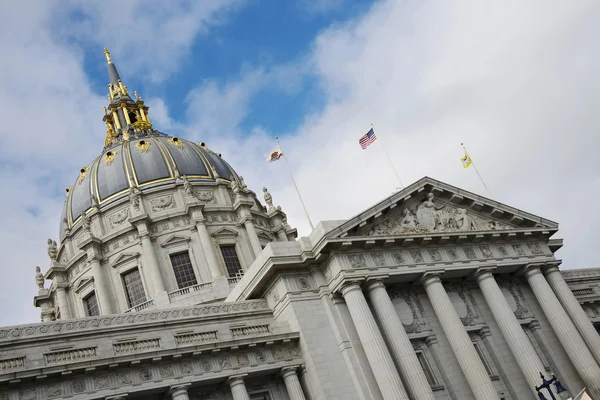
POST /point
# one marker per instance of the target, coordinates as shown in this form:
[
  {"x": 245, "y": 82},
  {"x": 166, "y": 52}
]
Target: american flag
[{"x": 366, "y": 140}]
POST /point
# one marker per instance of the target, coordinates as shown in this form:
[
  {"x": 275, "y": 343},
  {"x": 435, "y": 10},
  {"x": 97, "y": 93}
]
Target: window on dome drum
[
  {"x": 184, "y": 272},
  {"x": 132, "y": 117},
  {"x": 134, "y": 288},
  {"x": 231, "y": 259},
  {"x": 91, "y": 305},
  {"x": 426, "y": 368}
]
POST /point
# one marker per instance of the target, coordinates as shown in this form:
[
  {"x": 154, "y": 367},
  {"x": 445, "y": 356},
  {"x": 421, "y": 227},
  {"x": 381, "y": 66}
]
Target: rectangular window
[
  {"x": 231, "y": 260},
  {"x": 134, "y": 288},
  {"x": 488, "y": 369},
  {"x": 91, "y": 305},
  {"x": 426, "y": 368},
  {"x": 184, "y": 272}
]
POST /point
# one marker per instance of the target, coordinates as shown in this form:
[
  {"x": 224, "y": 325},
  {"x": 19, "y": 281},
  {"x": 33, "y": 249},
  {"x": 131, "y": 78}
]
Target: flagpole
[
  {"x": 295, "y": 186},
  {"x": 477, "y": 171},
  {"x": 390, "y": 160}
]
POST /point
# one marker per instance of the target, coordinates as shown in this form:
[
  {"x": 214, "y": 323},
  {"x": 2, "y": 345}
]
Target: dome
[{"x": 145, "y": 161}]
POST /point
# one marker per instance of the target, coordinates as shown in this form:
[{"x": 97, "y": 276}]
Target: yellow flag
[{"x": 466, "y": 160}]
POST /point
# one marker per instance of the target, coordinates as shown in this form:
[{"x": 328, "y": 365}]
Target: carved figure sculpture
[
  {"x": 52, "y": 249},
  {"x": 409, "y": 220},
  {"x": 134, "y": 198},
  {"x": 86, "y": 223},
  {"x": 242, "y": 183},
  {"x": 187, "y": 187},
  {"x": 427, "y": 213},
  {"x": 463, "y": 221},
  {"x": 268, "y": 198},
  {"x": 39, "y": 278}
]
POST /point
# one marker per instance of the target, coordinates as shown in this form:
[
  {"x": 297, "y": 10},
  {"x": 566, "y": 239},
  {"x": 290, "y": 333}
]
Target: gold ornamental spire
[
  {"x": 107, "y": 54},
  {"x": 124, "y": 116}
]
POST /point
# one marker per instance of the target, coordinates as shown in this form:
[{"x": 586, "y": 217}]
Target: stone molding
[
  {"x": 95, "y": 324},
  {"x": 572, "y": 274},
  {"x": 161, "y": 373}
]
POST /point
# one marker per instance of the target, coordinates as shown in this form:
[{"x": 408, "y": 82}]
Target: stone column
[
  {"x": 518, "y": 342},
  {"x": 569, "y": 337},
  {"x": 462, "y": 346},
  {"x": 151, "y": 266},
  {"x": 238, "y": 387},
  {"x": 256, "y": 247},
  {"x": 179, "y": 392},
  {"x": 63, "y": 303},
  {"x": 101, "y": 288},
  {"x": 379, "y": 358},
  {"x": 399, "y": 343},
  {"x": 292, "y": 383},
  {"x": 208, "y": 249},
  {"x": 573, "y": 308}
]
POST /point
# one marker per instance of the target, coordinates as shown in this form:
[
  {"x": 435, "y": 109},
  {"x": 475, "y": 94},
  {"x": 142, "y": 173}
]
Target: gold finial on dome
[{"x": 107, "y": 54}]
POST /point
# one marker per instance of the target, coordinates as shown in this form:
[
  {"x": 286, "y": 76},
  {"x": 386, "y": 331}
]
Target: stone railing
[
  {"x": 12, "y": 363},
  {"x": 110, "y": 322},
  {"x": 71, "y": 355},
  {"x": 142, "y": 306},
  {"x": 234, "y": 281},
  {"x": 136, "y": 346},
  {"x": 244, "y": 331},
  {"x": 190, "y": 289},
  {"x": 195, "y": 338},
  {"x": 583, "y": 292}
]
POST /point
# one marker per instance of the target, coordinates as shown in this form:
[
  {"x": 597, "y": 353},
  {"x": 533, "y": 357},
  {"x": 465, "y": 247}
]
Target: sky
[{"x": 516, "y": 81}]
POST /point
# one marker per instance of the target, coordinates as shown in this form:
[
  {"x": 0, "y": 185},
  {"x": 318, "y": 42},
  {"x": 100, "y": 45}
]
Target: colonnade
[{"x": 394, "y": 363}]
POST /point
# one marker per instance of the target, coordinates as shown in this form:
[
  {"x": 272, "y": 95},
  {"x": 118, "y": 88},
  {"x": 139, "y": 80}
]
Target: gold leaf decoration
[
  {"x": 109, "y": 157},
  {"x": 143, "y": 146},
  {"x": 82, "y": 173},
  {"x": 176, "y": 142}
]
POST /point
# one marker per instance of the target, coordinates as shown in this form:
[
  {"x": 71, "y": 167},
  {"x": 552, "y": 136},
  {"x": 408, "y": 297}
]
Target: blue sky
[{"x": 516, "y": 81}]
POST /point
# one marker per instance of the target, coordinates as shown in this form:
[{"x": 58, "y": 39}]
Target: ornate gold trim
[
  {"x": 175, "y": 141},
  {"x": 109, "y": 157},
  {"x": 143, "y": 146},
  {"x": 82, "y": 172}
]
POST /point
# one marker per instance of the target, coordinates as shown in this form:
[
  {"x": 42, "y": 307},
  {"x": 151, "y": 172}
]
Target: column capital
[
  {"x": 530, "y": 270},
  {"x": 349, "y": 286},
  {"x": 550, "y": 268},
  {"x": 237, "y": 379},
  {"x": 429, "y": 277},
  {"x": 176, "y": 390},
  {"x": 482, "y": 273},
  {"x": 375, "y": 282},
  {"x": 290, "y": 370}
]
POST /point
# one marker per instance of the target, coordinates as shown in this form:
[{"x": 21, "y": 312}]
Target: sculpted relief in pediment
[{"x": 432, "y": 216}]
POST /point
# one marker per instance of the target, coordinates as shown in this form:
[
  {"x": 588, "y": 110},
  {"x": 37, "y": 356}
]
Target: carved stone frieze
[
  {"x": 419, "y": 321},
  {"x": 118, "y": 217},
  {"x": 107, "y": 322},
  {"x": 430, "y": 215},
  {"x": 584, "y": 272},
  {"x": 472, "y": 316},
  {"x": 378, "y": 259},
  {"x": 162, "y": 203},
  {"x": 357, "y": 261}
]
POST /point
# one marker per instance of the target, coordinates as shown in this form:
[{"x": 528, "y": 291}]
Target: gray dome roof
[{"x": 141, "y": 162}]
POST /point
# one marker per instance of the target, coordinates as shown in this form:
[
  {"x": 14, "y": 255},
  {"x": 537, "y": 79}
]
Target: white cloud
[
  {"x": 148, "y": 37},
  {"x": 516, "y": 82}
]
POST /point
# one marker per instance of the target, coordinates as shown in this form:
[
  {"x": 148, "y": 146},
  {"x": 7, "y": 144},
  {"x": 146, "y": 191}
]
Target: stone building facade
[{"x": 170, "y": 279}]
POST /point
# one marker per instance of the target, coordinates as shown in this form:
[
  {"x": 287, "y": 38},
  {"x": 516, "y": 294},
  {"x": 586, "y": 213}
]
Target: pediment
[
  {"x": 429, "y": 206},
  {"x": 123, "y": 258},
  {"x": 83, "y": 283},
  {"x": 174, "y": 240},
  {"x": 225, "y": 232}
]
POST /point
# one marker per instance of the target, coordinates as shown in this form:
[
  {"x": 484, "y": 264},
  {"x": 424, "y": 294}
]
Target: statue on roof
[
  {"x": 268, "y": 198},
  {"x": 39, "y": 278},
  {"x": 52, "y": 249}
]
